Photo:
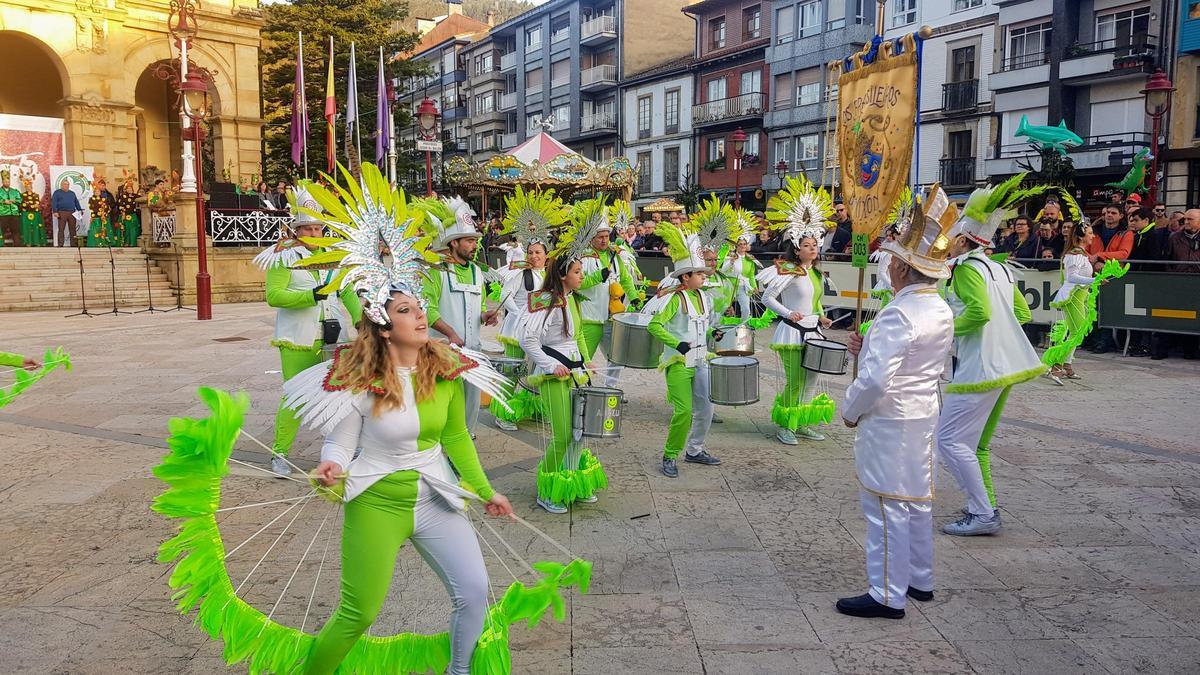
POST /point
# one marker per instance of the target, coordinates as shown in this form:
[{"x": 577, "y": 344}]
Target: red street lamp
[
  {"x": 739, "y": 144},
  {"x": 195, "y": 96},
  {"x": 427, "y": 132},
  {"x": 1158, "y": 101}
]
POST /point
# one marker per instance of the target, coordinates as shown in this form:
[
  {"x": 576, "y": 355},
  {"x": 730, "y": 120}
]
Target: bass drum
[
  {"x": 825, "y": 356},
  {"x": 632, "y": 344},
  {"x": 733, "y": 380},
  {"x": 596, "y": 412}
]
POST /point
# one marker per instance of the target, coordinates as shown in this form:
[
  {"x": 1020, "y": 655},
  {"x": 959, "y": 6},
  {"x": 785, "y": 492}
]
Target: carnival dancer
[
  {"x": 127, "y": 211},
  {"x": 991, "y": 355},
  {"x": 682, "y": 318},
  {"x": 1072, "y": 300},
  {"x": 892, "y": 406},
  {"x": 456, "y": 288},
  {"x": 742, "y": 266},
  {"x": 530, "y": 216},
  {"x": 102, "y": 204},
  {"x": 792, "y": 289},
  {"x": 553, "y": 339},
  {"x": 603, "y": 268},
  {"x": 620, "y": 214},
  {"x": 306, "y": 318},
  {"x": 33, "y": 227},
  {"x": 392, "y": 407}
]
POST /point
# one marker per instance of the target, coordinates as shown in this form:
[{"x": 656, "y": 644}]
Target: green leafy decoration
[
  {"x": 24, "y": 379},
  {"x": 1061, "y": 338}
]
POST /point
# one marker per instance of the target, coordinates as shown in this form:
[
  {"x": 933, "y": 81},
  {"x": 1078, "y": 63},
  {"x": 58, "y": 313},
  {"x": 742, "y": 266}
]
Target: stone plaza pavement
[{"x": 730, "y": 570}]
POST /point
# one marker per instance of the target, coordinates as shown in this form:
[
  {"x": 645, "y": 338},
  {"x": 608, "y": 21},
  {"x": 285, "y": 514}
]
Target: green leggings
[
  {"x": 797, "y": 376},
  {"x": 294, "y": 362},
  {"x": 556, "y": 397},
  {"x": 679, "y": 394},
  {"x": 982, "y": 452},
  {"x": 593, "y": 335},
  {"x": 377, "y": 523}
]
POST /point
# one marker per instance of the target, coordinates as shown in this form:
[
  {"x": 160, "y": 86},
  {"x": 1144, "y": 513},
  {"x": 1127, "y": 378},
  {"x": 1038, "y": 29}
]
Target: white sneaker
[
  {"x": 808, "y": 434},
  {"x": 588, "y": 500},
  {"x": 551, "y": 507},
  {"x": 506, "y": 425},
  {"x": 786, "y": 437},
  {"x": 280, "y": 467}
]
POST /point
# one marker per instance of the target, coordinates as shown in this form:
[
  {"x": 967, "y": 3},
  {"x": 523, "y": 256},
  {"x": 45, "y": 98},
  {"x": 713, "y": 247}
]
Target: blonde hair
[{"x": 367, "y": 366}]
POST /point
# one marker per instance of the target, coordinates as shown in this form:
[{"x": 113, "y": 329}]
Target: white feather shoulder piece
[
  {"x": 319, "y": 406},
  {"x": 283, "y": 254}
]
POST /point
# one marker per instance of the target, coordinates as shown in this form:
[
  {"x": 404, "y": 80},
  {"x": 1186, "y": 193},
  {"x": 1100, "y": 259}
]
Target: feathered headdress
[
  {"x": 305, "y": 210},
  {"x": 715, "y": 224},
  {"x": 588, "y": 218},
  {"x": 447, "y": 219},
  {"x": 748, "y": 223},
  {"x": 985, "y": 209},
  {"x": 800, "y": 210},
  {"x": 684, "y": 246},
  {"x": 900, "y": 217},
  {"x": 621, "y": 215},
  {"x": 532, "y": 215},
  {"x": 377, "y": 245}
]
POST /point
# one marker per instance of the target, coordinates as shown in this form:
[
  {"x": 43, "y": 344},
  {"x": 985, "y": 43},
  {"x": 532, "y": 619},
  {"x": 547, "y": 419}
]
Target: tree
[{"x": 370, "y": 25}]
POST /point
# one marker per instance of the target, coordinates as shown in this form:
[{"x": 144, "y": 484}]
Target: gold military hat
[{"x": 924, "y": 241}]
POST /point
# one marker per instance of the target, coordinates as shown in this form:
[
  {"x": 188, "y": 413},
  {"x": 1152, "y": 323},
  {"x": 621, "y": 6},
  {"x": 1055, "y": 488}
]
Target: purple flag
[
  {"x": 299, "y": 108},
  {"x": 382, "y": 114}
]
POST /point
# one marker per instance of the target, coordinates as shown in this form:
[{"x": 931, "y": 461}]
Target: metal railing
[
  {"x": 162, "y": 226},
  {"x": 560, "y": 81},
  {"x": 958, "y": 96},
  {"x": 507, "y": 101},
  {"x": 597, "y": 26},
  {"x": 598, "y": 75},
  {"x": 508, "y": 141},
  {"x": 598, "y": 122},
  {"x": 508, "y": 61},
  {"x": 1133, "y": 45},
  {"x": 957, "y": 171},
  {"x": 561, "y": 34},
  {"x": 1021, "y": 61},
  {"x": 746, "y": 105},
  {"x": 1130, "y": 140},
  {"x": 245, "y": 227}
]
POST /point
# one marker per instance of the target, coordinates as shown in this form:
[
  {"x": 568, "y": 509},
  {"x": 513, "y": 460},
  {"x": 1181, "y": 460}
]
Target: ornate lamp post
[
  {"x": 739, "y": 144},
  {"x": 781, "y": 168},
  {"x": 1158, "y": 102},
  {"x": 427, "y": 135}
]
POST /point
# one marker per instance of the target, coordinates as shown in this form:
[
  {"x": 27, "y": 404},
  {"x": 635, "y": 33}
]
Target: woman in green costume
[
  {"x": 127, "y": 212},
  {"x": 33, "y": 227},
  {"x": 1071, "y": 299}
]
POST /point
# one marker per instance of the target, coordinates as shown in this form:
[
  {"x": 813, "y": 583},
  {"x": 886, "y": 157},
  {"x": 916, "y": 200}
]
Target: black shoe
[
  {"x": 669, "y": 469},
  {"x": 866, "y": 607},
  {"x": 1102, "y": 349},
  {"x": 702, "y": 458},
  {"x": 917, "y": 594}
]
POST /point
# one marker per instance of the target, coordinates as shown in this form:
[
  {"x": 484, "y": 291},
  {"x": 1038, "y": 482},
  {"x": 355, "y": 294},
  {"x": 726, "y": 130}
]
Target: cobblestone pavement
[{"x": 731, "y": 569}]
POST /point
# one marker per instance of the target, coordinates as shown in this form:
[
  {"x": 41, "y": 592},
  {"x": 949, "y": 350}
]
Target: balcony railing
[
  {"x": 959, "y": 96},
  {"x": 560, "y": 81},
  {"x": 601, "y": 26},
  {"x": 507, "y": 101},
  {"x": 508, "y": 61},
  {"x": 508, "y": 141},
  {"x": 746, "y": 105},
  {"x": 958, "y": 171},
  {"x": 1124, "y": 143},
  {"x": 1020, "y": 61},
  {"x": 604, "y": 121},
  {"x": 597, "y": 75},
  {"x": 561, "y": 34},
  {"x": 1132, "y": 45}
]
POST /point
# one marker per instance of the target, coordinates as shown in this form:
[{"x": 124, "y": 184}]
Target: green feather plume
[
  {"x": 587, "y": 217},
  {"x": 984, "y": 201},
  {"x": 715, "y": 223}
]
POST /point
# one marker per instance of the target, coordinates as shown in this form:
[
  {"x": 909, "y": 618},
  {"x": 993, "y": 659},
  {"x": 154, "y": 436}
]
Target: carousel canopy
[{"x": 542, "y": 162}]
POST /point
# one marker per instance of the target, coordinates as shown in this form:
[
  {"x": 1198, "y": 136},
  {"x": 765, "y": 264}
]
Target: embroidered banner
[{"x": 877, "y": 109}]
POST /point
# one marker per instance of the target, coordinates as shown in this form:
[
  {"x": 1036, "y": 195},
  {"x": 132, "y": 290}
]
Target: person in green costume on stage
[
  {"x": 127, "y": 211},
  {"x": 991, "y": 355},
  {"x": 603, "y": 268},
  {"x": 10, "y": 211},
  {"x": 792, "y": 289},
  {"x": 102, "y": 204},
  {"x": 305, "y": 318},
  {"x": 554, "y": 340},
  {"x": 33, "y": 227}
]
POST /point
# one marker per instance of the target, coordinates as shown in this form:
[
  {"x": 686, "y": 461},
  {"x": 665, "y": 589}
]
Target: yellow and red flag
[{"x": 330, "y": 116}]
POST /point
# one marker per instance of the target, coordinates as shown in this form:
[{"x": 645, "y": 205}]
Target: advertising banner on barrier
[{"x": 1155, "y": 301}]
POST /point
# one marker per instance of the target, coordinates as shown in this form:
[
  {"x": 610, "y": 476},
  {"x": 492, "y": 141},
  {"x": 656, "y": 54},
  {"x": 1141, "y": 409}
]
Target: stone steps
[{"x": 48, "y": 278}]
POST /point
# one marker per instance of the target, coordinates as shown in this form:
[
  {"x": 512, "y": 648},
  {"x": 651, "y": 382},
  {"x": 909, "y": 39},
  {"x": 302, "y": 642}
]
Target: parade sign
[{"x": 877, "y": 109}]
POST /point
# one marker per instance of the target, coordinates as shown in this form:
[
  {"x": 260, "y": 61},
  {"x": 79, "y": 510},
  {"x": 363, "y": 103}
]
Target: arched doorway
[
  {"x": 31, "y": 81},
  {"x": 159, "y": 142}
]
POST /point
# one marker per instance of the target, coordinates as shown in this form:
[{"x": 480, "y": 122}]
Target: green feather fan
[{"x": 984, "y": 201}]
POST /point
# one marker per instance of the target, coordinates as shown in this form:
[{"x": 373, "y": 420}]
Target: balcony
[
  {"x": 598, "y": 30},
  {"x": 460, "y": 145},
  {"x": 560, "y": 81},
  {"x": 1108, "y": 60},
  {"x": 960, "y": 97},
  {"x": 561, "y": 34},
  {"x": 1021, "y": 70},
  {"x": 1105, "y": 151},
  {"x": 598, "y": 77},
  {"x": 507, "y": 101},
  {"x": 508, "y": 61},
  {"x": 508, "y": 141},
  {"x": 726, "y": 109},
  {"x": 957, "y": 171},
  {"x": 603, "y": 121}
]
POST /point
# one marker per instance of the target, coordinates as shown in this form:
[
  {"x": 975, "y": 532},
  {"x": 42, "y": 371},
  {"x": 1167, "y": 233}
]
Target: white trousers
[
  {"x": 612, "y": 373},
  {"x": 960, "y": 426},
  {"x": 899, "y": 547},
  {"x": 743, "y": 301},
  {"x": 702, "y": 411}
]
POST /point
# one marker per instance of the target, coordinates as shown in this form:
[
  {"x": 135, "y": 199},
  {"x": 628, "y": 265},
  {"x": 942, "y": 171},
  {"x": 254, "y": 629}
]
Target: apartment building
[{"x": 656, "y": 129}]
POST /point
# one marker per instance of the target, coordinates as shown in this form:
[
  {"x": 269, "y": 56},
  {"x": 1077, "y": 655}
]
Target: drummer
[
  {"x": 792, "y": 289},
  {"x": 741, "y": 266},
  {"x": 603, "y": 268},
  {"x": 529, "y": 216},
  {"x": 553, "y": 339}
]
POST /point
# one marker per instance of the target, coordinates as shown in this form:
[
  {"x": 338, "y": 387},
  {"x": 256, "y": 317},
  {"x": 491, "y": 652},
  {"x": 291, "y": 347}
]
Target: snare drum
[
  {"x": 596, "y": 412},
  {"x": 733, "y": 380},
  {"x": 825, "y": 356},
  {"x": 736, "y": 341},
  {"x": 510, "y": 367},
  {"x": 632, "y": 344}
]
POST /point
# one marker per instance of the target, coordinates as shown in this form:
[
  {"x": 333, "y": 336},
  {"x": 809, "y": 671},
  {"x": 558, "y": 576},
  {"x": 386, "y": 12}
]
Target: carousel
[{"x": 545, "y": 164}]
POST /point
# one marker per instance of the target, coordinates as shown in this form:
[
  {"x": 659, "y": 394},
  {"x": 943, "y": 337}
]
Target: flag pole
[
  {"x": 304, "y": 108},
  {"x": 357, "y": 126}
]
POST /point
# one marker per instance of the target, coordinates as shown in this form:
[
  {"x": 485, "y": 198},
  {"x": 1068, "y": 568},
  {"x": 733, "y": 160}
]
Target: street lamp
[
  {"x": 739, "y": 144},
  {"x": 781, "y": 168},
  {"x": 427, "y": 136},
  {"x": 195, "y": 99},
  {"x": 1158, "y": 101}
]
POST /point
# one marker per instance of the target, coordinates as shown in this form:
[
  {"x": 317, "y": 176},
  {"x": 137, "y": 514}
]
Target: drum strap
[
  {"x": 562, "y": 358},
  {"x": 803, "y": 331}
]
